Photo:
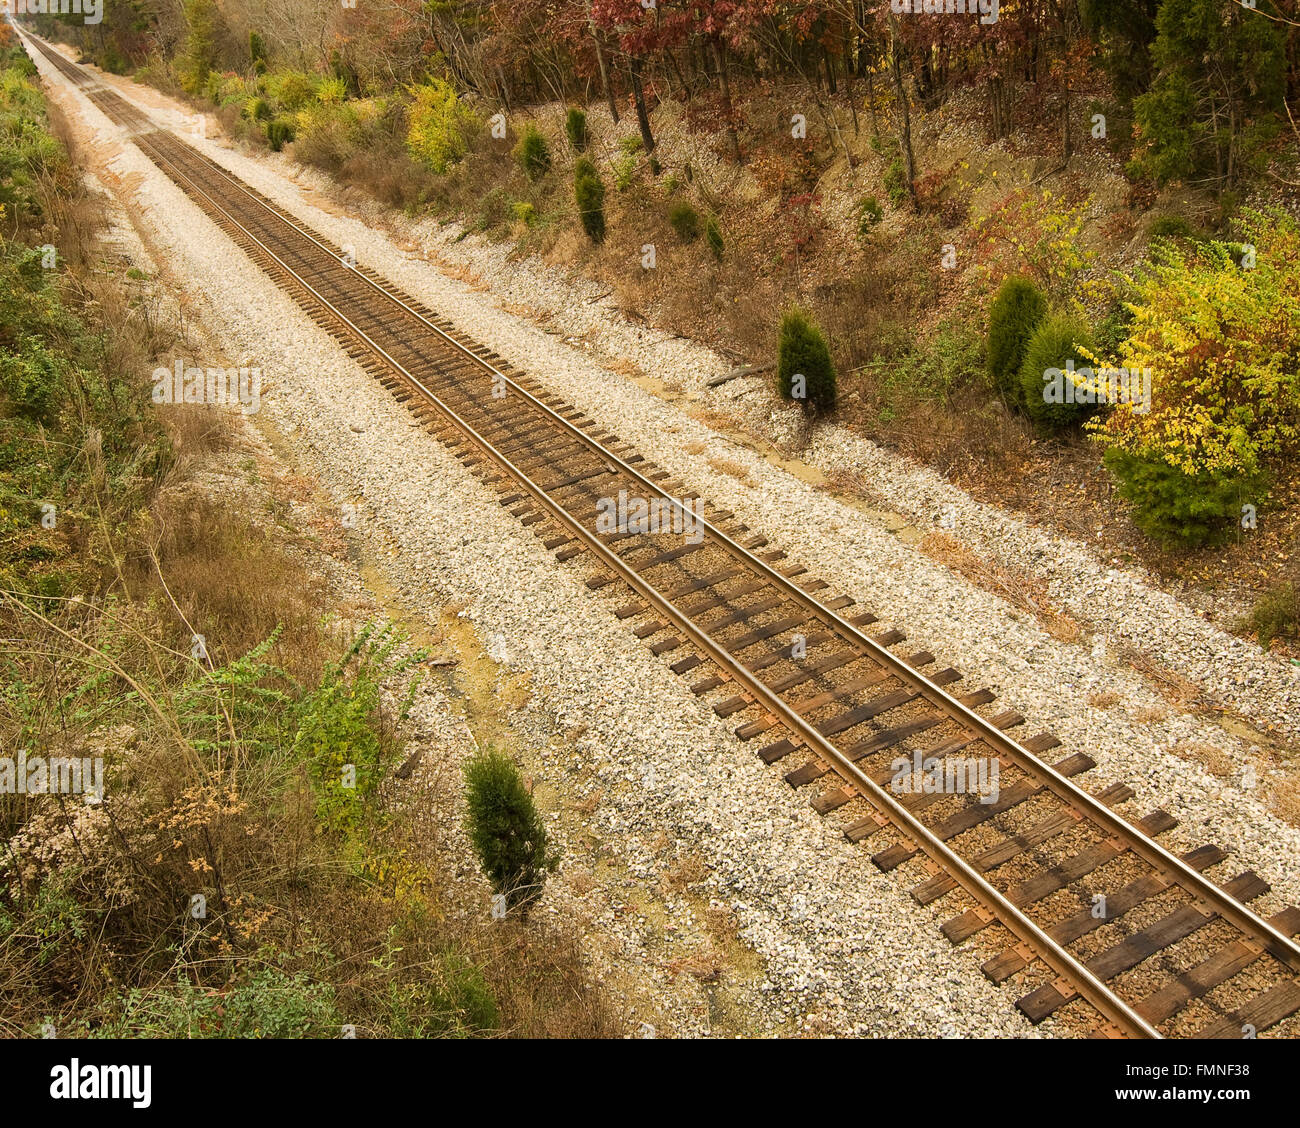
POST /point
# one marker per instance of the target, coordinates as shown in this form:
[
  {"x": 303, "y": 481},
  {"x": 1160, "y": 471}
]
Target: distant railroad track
[{"x": 1171, "y": 953}]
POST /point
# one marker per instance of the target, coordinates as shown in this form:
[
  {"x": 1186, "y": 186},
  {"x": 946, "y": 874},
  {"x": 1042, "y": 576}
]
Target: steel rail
[
  {"x": 1057, "y": 957},
  {"x": 1190, "y": 879}
]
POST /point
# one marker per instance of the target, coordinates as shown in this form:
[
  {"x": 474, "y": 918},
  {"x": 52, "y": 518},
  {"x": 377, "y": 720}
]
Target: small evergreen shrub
[
  {"x": 257, "y": 109},
  {"x": 257, "y": 52},
  {"x": 533, "y": 154},
  {"x": 1015, "y": 314},
  {"x": 1276, "y": 614},
  {"x": 631, "y": 145},
  {"x": 1055, "y": 343},
  {"x": 869, "y": 214},
  {"x": 804, "y": 352},
  {"x": 1172, "y": 227},
  {"x": 896, "y": 182},
  {"x": 506, "y": 831},
  {"x": 713, "y": 236},
  {"x": 575, "y": 128},
  {"x": 685, "y": 220},
  {"x": 525, "y": 213},
  {"x": 1176, "y": 508},
  {"x": 589, "y": 192},
  {"x": 278, "y": 134},
  {"x": 624, "y": 171}
]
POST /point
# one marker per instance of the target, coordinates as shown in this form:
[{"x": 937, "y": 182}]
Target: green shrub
[
  {"x": 685, "y": 220},
  {"x": 1172, "y": 227},
  {"x": 575, "y": 128},
  {"x": 1054, "y": 344},
  {"x": 896, "y": 182},
  {"x": 533, "y": 154},
  {"x": 1015, "y": 314},
  {"x": 257, "y": 52},
  {"x": 589, "y": 192},
  {"x": 713, "y": 236},
  {"x": 631, "y": 145},
  {"x": 454, "y": 1002},
  {"x": 624, "y": 171},
  {"x": 869, "y": 214},
  {"x": 1276, "y": 614},
  {"x": 331, "y": 91},
  {"x": 292, "y": 89},
  {"x": 326, "y": 135},
  {"x": 1176, "y": 508},
  {"x": 493, "y": 210},
  {"x": 506, "y": 831},
  {"x": 804, "y": 352},
  {"x": 278, "y": 134},
  {"x": 257, "y": 109},
  {"x": 32, "y": 383},
  {"x": 339, "y": 735},
  {"x": 263, "y": 1003},
  {"x": 525, "y": 213}
]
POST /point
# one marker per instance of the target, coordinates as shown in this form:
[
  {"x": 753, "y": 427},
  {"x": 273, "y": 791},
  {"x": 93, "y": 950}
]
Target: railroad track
[{"x": 1083, "y": 907}]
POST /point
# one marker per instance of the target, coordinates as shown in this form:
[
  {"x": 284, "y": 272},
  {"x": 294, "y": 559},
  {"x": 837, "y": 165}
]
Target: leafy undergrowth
[{"x": 228, "y": 863}]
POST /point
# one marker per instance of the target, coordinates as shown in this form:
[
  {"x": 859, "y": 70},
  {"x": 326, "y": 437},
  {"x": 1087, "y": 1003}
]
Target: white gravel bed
[
  {"x": 839, "y": 941},
  {"x": 839, "y": 927}
]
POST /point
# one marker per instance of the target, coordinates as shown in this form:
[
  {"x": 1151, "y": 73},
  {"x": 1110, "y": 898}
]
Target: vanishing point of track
[{"x": 1171, "y": 949}]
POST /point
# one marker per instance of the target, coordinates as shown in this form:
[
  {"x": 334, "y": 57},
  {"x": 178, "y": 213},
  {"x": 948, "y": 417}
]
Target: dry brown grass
[
  {"x": 1177, "y": 690},
  {"x": 678, "y": 878},
  {"x": 1024, "y": 592},
  {"x": 733, "y": 469}
]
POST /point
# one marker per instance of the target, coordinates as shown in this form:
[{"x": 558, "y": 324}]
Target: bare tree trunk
[
  {"x": 908, "y": 156},
  {"x": 638, "y": 94},
  {"x": 505, "y": 88},
  {"x": 732, "y": 137},
  {"x": 871, "y": 102},
  {"x": 600, "y": 62},
  {"x": 853, "y": 100}
]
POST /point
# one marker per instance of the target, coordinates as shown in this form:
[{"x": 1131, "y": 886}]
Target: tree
[
  {"x": 1016, "y": 312},
  {"x": 1127, "y": 29},
  {"x": 1047, "y": 392},
  {"x": 203, "y": 19},
  {"x": 506, "y": 830},
  {"x": 1220, "y": 83},
  {"x": 589, "y": 193},
  {"x": 1217, "y": 326},
  {"x": 804, "y": 369}
]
